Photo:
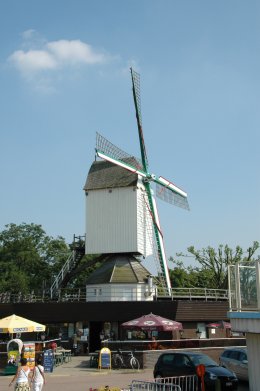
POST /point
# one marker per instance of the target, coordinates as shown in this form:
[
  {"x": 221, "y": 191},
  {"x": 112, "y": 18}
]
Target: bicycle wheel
[
  {"x": 134, "y": 363},
  {"x": 117, "y": 362}
]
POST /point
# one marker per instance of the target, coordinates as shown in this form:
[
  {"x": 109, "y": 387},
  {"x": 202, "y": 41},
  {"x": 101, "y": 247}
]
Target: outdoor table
[
  {"x": 93, "y": 362},
  {"x": 66, "y": 355},
  {"x": 58, "y": 358}
]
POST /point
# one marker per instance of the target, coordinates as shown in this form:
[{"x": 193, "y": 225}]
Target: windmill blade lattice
[
  {"x": 137, "y": 102},
  {"x": 105, "y": 146},
  {"x": 137, "y": 88},
  {"x": 149, "y": 221},
  {"x": 172, "y": 198}
]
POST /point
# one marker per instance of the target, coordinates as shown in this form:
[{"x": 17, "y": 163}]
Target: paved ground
[{"x": 77, "y": 376}]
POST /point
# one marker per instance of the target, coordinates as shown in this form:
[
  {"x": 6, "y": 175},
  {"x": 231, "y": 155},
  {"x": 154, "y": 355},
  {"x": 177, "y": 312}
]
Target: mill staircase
[{"x": 78, "y": 252}]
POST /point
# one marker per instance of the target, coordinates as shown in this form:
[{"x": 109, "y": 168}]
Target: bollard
[{"x": 200, "y": 369}]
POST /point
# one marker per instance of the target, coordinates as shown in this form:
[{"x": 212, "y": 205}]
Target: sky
[{"x": 64, "y": 75}]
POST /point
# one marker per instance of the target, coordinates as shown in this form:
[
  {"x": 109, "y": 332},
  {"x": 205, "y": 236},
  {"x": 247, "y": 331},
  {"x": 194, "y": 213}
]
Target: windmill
[{"x": 165, "y": 189}]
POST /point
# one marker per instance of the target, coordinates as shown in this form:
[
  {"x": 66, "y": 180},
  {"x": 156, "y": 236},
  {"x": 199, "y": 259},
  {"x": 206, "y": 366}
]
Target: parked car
[
  {"x": 235, "y": 359},
  {"x": 185, "y": 363}
]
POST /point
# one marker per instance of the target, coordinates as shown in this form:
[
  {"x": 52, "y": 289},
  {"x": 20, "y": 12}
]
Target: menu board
[
  {"x": 48, "y": 361},
  {"x": 29, "y": 353},
  {"x": 104, "y": 358}
]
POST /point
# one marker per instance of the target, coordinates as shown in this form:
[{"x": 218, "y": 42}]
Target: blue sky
[{"x": 64, "y": 74}]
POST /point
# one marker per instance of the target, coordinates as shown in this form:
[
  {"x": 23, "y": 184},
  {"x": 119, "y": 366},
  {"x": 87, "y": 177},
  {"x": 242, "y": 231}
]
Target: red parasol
[{"x": 152, "y": 322}]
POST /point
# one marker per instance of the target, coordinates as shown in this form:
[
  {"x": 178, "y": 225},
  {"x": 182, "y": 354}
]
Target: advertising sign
[
  {"x": 29, "y": 354},
  {"x": 13, "y": 357},
  {"x": 48, "y": 361},
  {"x": 104, "y": 360}
]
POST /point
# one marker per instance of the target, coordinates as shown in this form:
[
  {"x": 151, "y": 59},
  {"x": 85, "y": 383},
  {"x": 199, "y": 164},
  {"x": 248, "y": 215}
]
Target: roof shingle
[
  {"x": 118, "y": 269},
  {"x": 103, "y": 175}
]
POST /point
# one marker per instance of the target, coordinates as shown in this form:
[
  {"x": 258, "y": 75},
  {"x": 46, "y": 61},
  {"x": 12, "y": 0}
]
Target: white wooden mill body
[{"x": 117, "y": 217}]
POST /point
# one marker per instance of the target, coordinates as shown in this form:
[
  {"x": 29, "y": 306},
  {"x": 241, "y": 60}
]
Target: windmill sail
[
  {"x": 169, "y": 196},
  {"x": 160, "y": 252},
  {"x": 108, "y": 150},
  {"x": 165, "y": 189},
  {"x": 137, "y": 102},
  {"x": 153, "y": 243},
  {"x": 148, "y": 217}
]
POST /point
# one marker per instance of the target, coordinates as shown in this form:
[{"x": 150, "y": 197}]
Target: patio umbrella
[
  {"x": 17, "y": 324},
  {"x": 152, "y": 322},
  {"x": 219, "y": 325}
]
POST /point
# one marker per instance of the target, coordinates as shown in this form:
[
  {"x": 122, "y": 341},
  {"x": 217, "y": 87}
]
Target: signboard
[
  {"x": 14, "y": 349},
  {"x": 104, "y": 360},
  {"x": 13, "y": 357},
  {"x": 29, "y": 354},
  {"x": 84, "y": 338},
  {"x": 48, "y": 361}
]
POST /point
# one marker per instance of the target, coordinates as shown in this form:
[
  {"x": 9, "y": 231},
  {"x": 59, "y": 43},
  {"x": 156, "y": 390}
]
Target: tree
[
  {"x": 87, "y": 265},
  {"x": 189, "y": 277},
  {"x": 217, "y": 261},
  {"x": 28, "y": 257}
]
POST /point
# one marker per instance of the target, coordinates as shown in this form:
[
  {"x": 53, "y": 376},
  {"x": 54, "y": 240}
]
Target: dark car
[
  {"x": 185, "y": 363},
  {"x": 235, "y": 359}
]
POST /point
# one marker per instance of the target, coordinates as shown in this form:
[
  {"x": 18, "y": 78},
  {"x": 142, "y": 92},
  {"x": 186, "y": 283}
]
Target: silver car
[{"x": 235, "y": 359}]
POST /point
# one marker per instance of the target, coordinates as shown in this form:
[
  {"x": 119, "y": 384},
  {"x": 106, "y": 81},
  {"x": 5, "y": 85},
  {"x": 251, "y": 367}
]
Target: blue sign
[
  {"x": 48, "y": 361},
  {"x": 104, "y": 358}
]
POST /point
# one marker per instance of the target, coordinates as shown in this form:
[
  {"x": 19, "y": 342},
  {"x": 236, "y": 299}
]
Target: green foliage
[
  {"x": 212, "y": 269},
  {"x": 218, "y": 260},
  {"x": 28, "y": 257},
  {"x": 189, "y": 277},
  {"x": 88, "y": 264}
]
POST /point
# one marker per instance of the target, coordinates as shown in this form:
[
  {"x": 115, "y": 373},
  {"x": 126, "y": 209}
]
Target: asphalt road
[{"x": 243, "y": 386}]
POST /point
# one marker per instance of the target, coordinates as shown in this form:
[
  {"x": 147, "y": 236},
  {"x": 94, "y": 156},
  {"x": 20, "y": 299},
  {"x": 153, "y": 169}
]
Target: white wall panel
[
  {"x": 249, "y": 325},
  {"x": 111, "y": 221},
  {"x": 118, "y": 292},
  {"x": 253, "y": 350},
  {"x": 118, "y": 221}
]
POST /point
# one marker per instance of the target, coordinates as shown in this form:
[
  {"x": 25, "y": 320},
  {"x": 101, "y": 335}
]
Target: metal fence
[
  {"x": 138, "y": 385},
  {"x": 244, "y": 286},
  {"x": 176, "y": 383},
  {"x": 186, "y": 383},
  {"x": 79, "y": 295}
]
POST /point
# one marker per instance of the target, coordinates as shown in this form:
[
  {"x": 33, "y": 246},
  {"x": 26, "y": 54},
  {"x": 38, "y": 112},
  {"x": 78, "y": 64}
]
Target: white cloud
[
  {"x": 55, "y": 55},
  {"x": 74, "y": 52},
  {"x": 33, "y": 60}
]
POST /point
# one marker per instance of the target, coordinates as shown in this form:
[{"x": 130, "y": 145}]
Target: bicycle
[{"x": 118, "y": 361}]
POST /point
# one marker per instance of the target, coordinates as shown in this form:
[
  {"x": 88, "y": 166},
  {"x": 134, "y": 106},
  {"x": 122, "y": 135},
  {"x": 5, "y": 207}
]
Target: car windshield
[{"x": 202, "y": 359}]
